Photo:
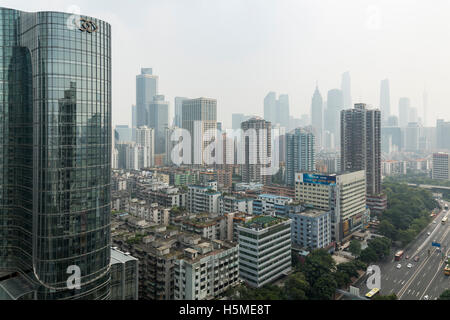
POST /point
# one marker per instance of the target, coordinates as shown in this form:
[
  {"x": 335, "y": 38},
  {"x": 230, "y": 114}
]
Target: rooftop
[{"x": 263, "y": 222}]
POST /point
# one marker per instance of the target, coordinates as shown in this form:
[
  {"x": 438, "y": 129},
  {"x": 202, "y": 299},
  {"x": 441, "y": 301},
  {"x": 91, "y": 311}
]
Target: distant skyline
[{"x": 237, "y": 51}]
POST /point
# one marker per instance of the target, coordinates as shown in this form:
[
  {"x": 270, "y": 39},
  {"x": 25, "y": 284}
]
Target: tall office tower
[
  {"x": 442, "y": 135},
  {"x": 158, "y": 119},
  {"x": 270, "y": 107},
  {"x": 305, "y": 120},
  {"x": 178, "y": 118},
  {"x": 317, "y": 117},
  {"x": 124, "y": 133},
  {"x": 412, "y": 134},
  {"x": 441, "y": 166},
  {"x": 146, "y": 89},
  {"x": 237, "y": 119},
  {"x": 425, "y": 106},
  {"x": 335, "y": 103},
  {"x": 361, "y": 144},
  {"x": 133, "y": 122},
  {"x": 413, "y": 117},
  {"x": 403, "y": 112},
  {"x": 346, "y": 91},
  {"x": 200, "y": 119},
  {"x": 392, "y": 121},
  {"x": 282, "y": 111},
  {"x": 385, "y": 101},
  {"x": 300, "y": 154},
  {"x": 255, "y": 149},
  {"x": 55, "y": 155},
  {"x": 145, "y": 137},
  {"x": 391, "y": 139}
]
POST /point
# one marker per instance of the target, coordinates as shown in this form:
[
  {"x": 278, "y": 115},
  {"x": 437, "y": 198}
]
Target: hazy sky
[{"x": 238, "y": 50}]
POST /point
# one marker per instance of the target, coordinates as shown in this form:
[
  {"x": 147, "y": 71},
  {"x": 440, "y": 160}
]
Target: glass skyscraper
[{"x": 55, "y": 152}]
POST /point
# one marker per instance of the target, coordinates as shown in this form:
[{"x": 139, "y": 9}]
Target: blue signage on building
[{"x": 317, "y": 179}]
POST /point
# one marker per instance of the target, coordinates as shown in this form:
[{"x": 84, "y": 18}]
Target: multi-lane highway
[{"x": 425, "y": 279}]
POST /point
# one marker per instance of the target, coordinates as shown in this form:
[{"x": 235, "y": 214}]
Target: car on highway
[
  {"x": 409, "y": 266},
  {"x": 429, "y": 233},
  {"x": 416, "y": 258},
  {"x": 434, "y": 222},
  {"x": 399, "y": 266}
]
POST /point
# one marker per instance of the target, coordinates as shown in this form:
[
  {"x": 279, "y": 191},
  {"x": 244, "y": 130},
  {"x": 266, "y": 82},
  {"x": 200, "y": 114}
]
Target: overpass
[{"x": 427, "y": 186}]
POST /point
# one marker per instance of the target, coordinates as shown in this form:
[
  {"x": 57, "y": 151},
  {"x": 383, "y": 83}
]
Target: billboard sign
[{"x": 316, "y": 178}]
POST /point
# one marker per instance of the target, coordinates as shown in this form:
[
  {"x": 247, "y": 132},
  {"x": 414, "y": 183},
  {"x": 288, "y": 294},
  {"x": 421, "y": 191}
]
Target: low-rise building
[
  {"x": 206, "y": 270},
  {"x": 311, "y": 228}
]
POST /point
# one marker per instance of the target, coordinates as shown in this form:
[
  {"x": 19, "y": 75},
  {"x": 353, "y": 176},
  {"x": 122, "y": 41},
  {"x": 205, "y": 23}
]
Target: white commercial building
[
  {"x": 344, "y": 195},
  {"x": 264, "y": 250}
]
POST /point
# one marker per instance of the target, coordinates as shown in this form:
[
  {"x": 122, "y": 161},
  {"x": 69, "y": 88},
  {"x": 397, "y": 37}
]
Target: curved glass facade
[{"x": 55, "y": 109}]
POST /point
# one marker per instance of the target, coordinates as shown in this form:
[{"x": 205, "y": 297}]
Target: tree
[
  {"x": 389, "y": 297},
  {"x": 445, "y": 295},
  {"x": 368, "y": 255},
  {"x": 387, "y": 229},
  {"x": 296, "y": 287},
  {"x": 317, "y": 264},
  {"x": 355, "y": 248},
  {"x": 324, "y": 288}
]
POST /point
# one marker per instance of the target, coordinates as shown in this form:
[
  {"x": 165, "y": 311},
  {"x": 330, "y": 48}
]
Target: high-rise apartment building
[
  {"x": 255, "y": 148},
  {"x": 200, "y": 120},
  {"x": 146, "y": 90},
  {"x": 361, "y": 144},
  {"x": 300, "y": 154},
  {"x": 441, "y": 166},
  {"x": 145, "y": 137},
  {"x": 56, "y": 153}
]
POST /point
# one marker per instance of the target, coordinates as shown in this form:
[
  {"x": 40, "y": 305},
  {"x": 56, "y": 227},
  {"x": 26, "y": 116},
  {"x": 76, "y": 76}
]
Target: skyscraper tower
[
  {"x": 282, "y": 111},
  {"x": 425, "y": 106},
  {"x": 300, "y": 154},
  {"x": 317, "y": 116},
  {"x": 146, "y": 90},
  {"x": 361, "y": 144},
  {"x": 346, "y": 91},
  {"x": 255, "y": 149},
  {"x": 158, "y": 119},
  {"x": 385, "y": 101},
  {"x": 200, "y": 119},
  {"x": 178, "y": 118},
  {"x": 335, "y": 102},
  {"x": 56, "y": 154},
  {"x": 270, "y": 107},
  {"x": 404, "y": 105}
]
